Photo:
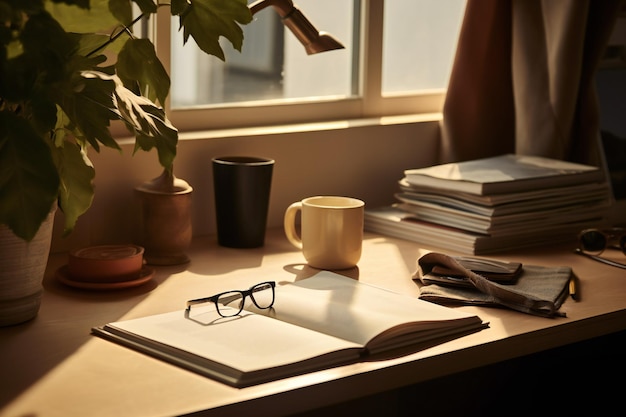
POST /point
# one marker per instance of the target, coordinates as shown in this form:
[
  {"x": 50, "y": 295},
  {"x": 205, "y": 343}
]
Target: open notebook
[{"x": 320, "y": 322}]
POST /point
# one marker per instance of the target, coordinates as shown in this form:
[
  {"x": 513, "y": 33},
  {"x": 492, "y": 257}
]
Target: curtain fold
[{"x": 523, "y": 79}]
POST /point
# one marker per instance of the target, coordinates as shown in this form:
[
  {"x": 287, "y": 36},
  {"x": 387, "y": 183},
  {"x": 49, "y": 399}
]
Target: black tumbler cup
[{"x": 242, "y": 192}]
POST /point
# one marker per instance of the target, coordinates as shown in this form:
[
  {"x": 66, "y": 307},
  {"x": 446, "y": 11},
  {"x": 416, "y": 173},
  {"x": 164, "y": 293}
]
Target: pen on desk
[{"x": 572, "y": 288}]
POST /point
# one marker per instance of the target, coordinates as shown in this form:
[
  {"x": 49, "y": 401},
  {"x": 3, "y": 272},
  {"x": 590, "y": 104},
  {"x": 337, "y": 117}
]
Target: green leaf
[
  {"x": 29, "y": 183},
  {"x": 165, "y": 141},
  {"x": 80, "y": 3},
  {"x": 206, "y": 20},
  {"x": 138, "y": 61},
  {"x": 122, "y": 10},
  {"x": 28, "y": 6},
  {"x": 178, "y": 7},
  {"x": 96, "y": 18},
  {"x": 49, "y": 56},
  {"x": 44, "y": 114},
  {"x": 145, "y": 120},
  {"x": 90, "y": 42},
  {"x": 88, "y": 102},
  {"x": 76, "y": 190},
  {"x": 17, "y": 78}
]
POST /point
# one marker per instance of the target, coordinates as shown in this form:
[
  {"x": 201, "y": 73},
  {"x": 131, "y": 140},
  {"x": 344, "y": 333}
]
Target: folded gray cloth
[{"x": 539, "y": 290}]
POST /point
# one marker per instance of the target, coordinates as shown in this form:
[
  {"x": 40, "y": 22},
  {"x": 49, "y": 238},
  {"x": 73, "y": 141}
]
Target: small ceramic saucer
[{"x": 63, "y": 276}]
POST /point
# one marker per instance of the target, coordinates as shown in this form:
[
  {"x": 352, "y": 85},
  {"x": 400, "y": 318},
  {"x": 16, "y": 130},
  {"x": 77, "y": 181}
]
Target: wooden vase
[{"x": 165, "y": 229}]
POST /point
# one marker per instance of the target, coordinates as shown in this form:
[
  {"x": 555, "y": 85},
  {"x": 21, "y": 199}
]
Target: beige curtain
[{"x": 522, "y": 79}]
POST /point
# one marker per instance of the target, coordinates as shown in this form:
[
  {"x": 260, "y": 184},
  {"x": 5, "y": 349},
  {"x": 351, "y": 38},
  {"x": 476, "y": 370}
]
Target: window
[
  {"x": 273, "y": 65},
  {"x": 396, "y": 60}
]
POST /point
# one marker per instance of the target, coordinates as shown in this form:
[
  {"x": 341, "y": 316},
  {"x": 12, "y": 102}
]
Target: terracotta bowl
[{"x": 106, "y": 263}]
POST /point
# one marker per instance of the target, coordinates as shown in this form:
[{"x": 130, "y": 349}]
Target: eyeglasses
[
  {"x": 230, "y": 303},
  {"x": 592, "y": 242}
]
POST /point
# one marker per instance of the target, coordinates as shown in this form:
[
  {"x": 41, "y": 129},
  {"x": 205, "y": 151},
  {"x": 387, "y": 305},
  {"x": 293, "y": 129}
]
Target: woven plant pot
[{"x": 22, "y": 267}]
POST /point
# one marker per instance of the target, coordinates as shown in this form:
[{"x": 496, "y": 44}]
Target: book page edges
[
  {"x": 385, "y": 344},
  {"x": 223, "y": 373},
  {"x": 169, "y": 354}
]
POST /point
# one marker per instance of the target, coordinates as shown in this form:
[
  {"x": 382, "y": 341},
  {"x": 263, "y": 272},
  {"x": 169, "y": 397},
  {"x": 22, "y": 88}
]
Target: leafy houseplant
[{"x": 59, "y": 94}]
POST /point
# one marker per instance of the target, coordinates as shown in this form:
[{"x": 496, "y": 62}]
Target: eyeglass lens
[
  {"x": 232, "y": 299},
  {"x": 594, "y": 242},
  {"x": 262, "y": 296}
]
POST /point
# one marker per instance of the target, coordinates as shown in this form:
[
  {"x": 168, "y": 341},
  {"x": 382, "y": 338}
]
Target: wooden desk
[{"x": 52, "y": 366}]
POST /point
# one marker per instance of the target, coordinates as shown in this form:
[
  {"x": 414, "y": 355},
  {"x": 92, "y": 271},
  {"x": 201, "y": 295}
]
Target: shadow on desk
[{"x": 582, "y": 379}]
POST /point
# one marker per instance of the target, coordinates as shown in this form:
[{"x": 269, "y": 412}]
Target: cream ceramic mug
[{"x": 331, "y": 230}]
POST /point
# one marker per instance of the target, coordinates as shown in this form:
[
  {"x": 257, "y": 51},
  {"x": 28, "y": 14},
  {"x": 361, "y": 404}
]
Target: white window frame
[{"x": 369, "y": 104}]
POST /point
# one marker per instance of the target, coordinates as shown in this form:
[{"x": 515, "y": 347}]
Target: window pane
[
  {"x": 419, "y": 42},
  {"x": 272, "y": 64}
]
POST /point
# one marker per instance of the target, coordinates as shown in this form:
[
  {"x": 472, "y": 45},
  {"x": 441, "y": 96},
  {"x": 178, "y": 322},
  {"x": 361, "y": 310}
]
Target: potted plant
[{"x": 59, "y": 94}]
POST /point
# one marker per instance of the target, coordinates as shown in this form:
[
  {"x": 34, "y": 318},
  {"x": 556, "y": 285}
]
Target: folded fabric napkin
[{"x": 538, "y": 290}]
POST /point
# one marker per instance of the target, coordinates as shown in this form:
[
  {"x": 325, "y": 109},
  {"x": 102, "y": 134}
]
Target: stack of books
[{"x": 494, "y": 204}]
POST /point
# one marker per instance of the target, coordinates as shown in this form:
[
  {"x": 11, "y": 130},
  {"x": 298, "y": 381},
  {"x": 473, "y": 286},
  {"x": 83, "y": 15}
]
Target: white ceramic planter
[{"x": 22, "y": 267}]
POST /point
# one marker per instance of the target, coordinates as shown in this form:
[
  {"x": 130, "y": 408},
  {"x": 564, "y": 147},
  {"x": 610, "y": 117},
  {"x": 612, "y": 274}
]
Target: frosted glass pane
[{"x": 419, "y": 42}]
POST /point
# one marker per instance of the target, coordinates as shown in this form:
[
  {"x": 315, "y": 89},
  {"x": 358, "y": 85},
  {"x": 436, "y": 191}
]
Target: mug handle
[{"x": 290, "y": 224}]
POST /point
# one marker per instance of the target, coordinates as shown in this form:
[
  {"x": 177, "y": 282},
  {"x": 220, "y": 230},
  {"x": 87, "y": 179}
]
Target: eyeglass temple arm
[
  {"x": 600, "y": 259},
  {"x": 198, "y": 301},
  {"x": 312, "y": 40}
]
